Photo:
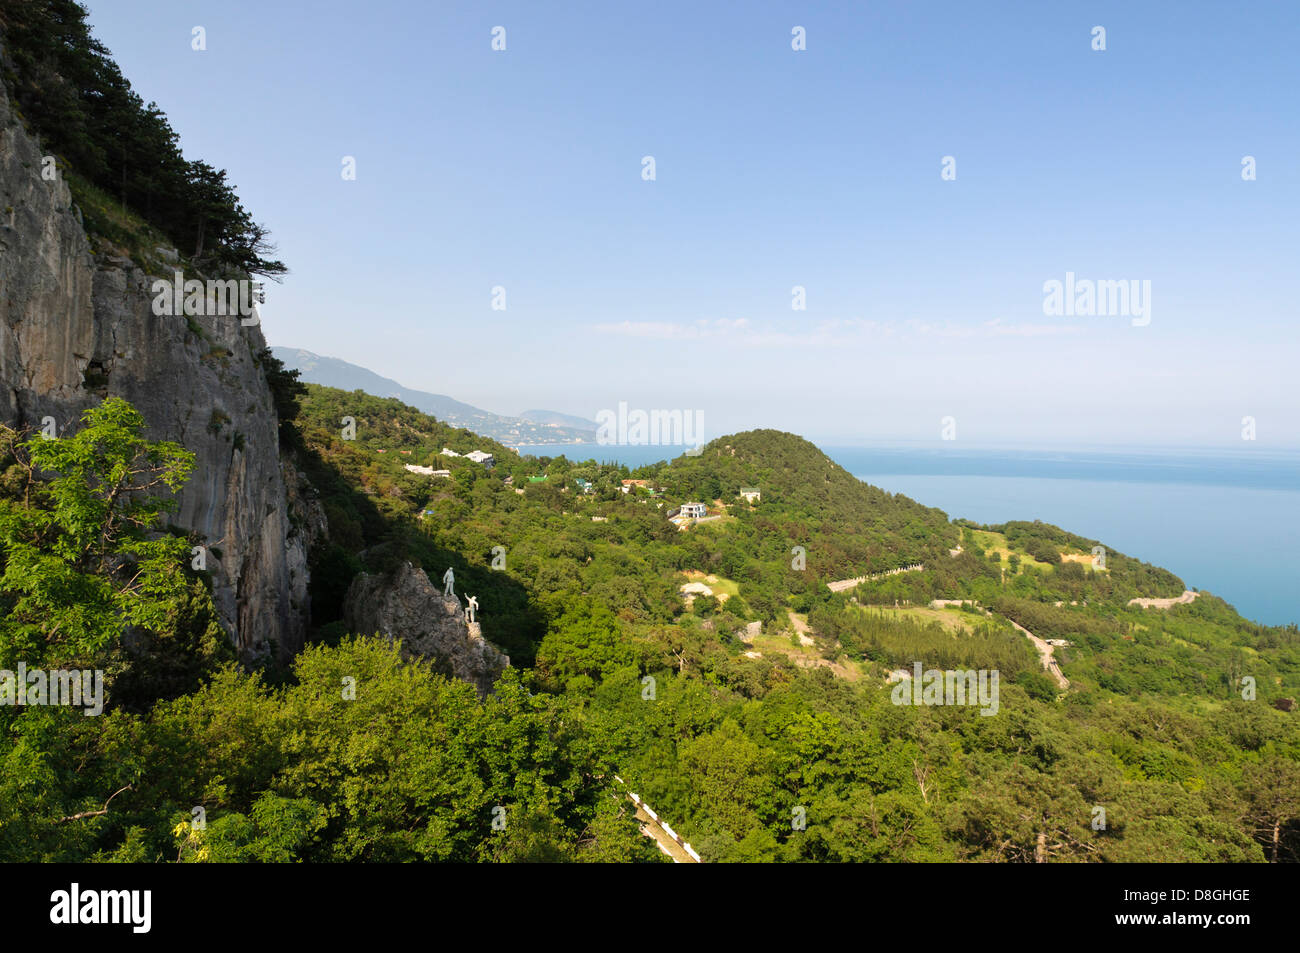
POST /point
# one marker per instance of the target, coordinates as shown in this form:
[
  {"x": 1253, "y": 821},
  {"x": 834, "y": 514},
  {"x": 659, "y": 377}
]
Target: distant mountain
[
  {"x": 538, "y": 426},
  {"x": 559, "y": 419}
]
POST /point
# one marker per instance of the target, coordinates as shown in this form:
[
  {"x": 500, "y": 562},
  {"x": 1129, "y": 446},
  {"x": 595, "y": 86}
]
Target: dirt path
[
  {"x": 1184, "y": 599},
  {"x": 801, "y": 628},
  {"x": 1046, "y": 653}
]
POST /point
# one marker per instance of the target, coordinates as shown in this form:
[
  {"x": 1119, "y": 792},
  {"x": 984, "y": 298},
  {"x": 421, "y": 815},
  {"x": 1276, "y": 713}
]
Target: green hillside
[
  {"x": 604, "y": 594},
  {"x": 748, "y": 666},
  {"x": 756, "y": 715}
]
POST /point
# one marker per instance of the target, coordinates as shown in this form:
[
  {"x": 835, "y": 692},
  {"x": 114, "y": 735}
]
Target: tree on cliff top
[{"x": 74, "y": 96}]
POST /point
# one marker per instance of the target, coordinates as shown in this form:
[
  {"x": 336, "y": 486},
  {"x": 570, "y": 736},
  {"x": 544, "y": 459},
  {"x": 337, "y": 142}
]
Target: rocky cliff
[
  {"x": 406, "y": 605},
  {"x": 76, "y": 327}
]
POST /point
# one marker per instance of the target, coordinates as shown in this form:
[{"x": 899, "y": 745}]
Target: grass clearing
[
  {"x": 805, "y": 656},
  {"x": 1085, "y": 559},
  {"x": 953, "y": 620},
  {"x": 992, "y": 542},
  {"x": 723, "y": 588}
]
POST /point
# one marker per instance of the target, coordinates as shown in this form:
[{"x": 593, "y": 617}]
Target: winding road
[
  {"x": 1184, "y": 599},
  {"x": 1047, "y": 654}
]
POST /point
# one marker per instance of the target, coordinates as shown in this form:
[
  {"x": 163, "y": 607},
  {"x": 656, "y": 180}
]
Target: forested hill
[
  {"x": 556, "y": 529},
  {"x": 788, "y": 470},
  {"x": 695, "y": 660},
  {"x": 700, "y": 654},
  {"x": 770, "y": 688},
  {"x": 575, "y": 532},
  {"x": 805, "y": 495}
]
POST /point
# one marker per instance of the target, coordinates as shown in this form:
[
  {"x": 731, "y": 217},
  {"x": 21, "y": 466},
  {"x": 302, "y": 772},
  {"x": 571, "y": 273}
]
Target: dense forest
[
  {"x": 757, "y": 745},
  {"x": 706, "y": 664}
]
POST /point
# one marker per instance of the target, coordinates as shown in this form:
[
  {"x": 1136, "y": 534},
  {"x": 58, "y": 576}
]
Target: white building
[
  {"x": 751, "y": 494},
  {"x": 427, "y": 471},
  {"x": 694, "y": 511},
  {"x": 478, "y": 456}
]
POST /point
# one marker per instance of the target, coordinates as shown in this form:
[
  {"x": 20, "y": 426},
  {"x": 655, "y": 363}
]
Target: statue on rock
[
  {"x": 471, "y": 609},
  {"x": 449, "y": 582}
]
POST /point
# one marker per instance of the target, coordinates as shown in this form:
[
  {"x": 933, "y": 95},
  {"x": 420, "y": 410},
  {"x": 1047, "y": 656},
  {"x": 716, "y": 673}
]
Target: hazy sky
[{"x": 774, "y": 168}]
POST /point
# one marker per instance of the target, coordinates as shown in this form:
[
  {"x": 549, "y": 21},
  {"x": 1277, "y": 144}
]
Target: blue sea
[{"x": 1225, "y": 521}]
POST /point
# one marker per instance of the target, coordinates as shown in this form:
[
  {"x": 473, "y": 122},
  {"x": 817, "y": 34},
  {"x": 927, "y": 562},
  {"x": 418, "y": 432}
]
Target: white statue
[
  {"x": 471, "y": 609},
  {"x": 449, "y": 581}
]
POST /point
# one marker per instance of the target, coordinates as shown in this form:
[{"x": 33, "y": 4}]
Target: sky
[{"x": 775, "y": 168}]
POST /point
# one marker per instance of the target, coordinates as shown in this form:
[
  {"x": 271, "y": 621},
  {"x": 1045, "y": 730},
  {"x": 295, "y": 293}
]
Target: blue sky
[{"x": 775, "y": 168}]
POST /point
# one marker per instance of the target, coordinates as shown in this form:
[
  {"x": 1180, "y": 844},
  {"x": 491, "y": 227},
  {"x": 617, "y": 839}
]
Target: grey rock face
[
  {"x": 76, "y": 328},
  {"x": 405, "y": 605}
]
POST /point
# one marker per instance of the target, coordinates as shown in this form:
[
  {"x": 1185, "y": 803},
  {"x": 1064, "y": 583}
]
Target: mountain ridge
[{"x": 544, "y": 427}]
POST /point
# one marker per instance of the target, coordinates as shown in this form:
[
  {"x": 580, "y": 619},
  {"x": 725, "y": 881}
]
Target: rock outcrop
[
  {"x": 404, "y": 605},
  {"x": 76, "y": 327}
]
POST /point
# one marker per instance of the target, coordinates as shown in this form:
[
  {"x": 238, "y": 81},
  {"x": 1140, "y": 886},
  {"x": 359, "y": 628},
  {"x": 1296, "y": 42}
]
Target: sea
[{"x": 1226, "y": 521}]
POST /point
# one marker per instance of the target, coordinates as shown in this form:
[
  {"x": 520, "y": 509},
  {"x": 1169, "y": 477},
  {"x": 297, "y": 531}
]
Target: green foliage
[
  {"x": 286, "y": 393},
  {"x": 359, "y": 755},
  {"x": 788, "y": 754},
  {"x": 581, "y": 645},
  {"x": 898, "y": 642},
  {"x": 414, "y": 767},
  {"x": 82, "y": 560},
  {"x": 702, "y": 746}
]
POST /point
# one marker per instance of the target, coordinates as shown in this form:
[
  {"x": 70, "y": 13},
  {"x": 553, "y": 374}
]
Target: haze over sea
[{"x": 1227, "y": 521}]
